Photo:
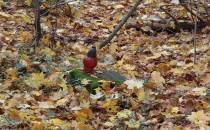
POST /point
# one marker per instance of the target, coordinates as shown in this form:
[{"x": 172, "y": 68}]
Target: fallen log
[{"x": 160, "y": 27}]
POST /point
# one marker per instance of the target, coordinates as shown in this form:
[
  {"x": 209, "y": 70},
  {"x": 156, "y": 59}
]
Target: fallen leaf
[
  {"x": 85, "y": 81},
  {"x": 133, "y": 124},
  {"x": 36, "y": 80},
  {"x": 119, "y": 6},
  {"x": 124, "y": 114},
  {"x": 36, "y": 125},
  {"x": 110, "y": 105},
  {"x": 84, "y": 114},
  {"x": 157, "y": 78},
  {"x": 202, "y": 91},
  {"x": 46, "y": 105},
  {"x": 175, "y": 110},
  {"x": 11, "y": 74},
  {"x": 83, "y": 126},
  {"x": 57, "y": 122},
  {"x": 199, "y": 118},
  {"x": 134, "y": 83},
  {"x": 6, "y": 15}
]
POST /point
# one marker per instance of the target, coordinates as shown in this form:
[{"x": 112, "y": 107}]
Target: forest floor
[{"x": 164, "y": 90}]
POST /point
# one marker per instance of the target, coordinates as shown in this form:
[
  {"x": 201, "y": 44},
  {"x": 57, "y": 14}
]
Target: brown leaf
[{"x": 157, "y": 78}]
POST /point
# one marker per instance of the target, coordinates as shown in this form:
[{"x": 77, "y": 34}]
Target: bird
[{"x": 90, "y": 60}]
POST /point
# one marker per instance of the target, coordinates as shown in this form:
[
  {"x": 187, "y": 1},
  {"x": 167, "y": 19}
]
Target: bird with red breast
[{"x": 90, "y": 60}]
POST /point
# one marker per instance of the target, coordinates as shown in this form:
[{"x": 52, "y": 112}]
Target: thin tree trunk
[{"x": 37, "y": 23}]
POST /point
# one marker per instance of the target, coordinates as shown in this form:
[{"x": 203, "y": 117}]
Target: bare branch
[{"x": 119, "y": 26}]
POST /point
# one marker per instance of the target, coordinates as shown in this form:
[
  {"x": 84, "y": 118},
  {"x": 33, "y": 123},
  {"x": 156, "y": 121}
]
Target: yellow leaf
[
  {"x": 36, "y": 80},
  {"x": 81, "y": 117},
  {"x": 148, "y": 1},
  {"x": 56, "y": 79},
  {"x": 133, "y": 124},
  {"x": 24, "y": 36},
  {"x": 84, "y": 104},
  {"x": 46, "y": 40},
  {"x": 28, "y": 2},
  {"x": 11, "y": 74},
  {"x": 124, "y": 114},
  {"x": 11, "y": 103},
  {"x": 57, "y": 122},
  {"x": 36, "y": 93},
  {"x": 6, "y": 84},
  {"x": 141, "y": 94},
  {"x": 79, "y": 48},
  {"x": 134, "y": 104},
  {"x": 106, "y": 85},
  {"x": 157, "y": 78},
  {"x": 113, "y": 48},
  {"x": 87, "y": 111},
  {"x": 2, "y": 4},
  {"x": 23, "y": 18},
  {"x": 84, "y": 114},
  {"x": 13, "y": 114},
  {"x": 76, "y": 13},
  {"x": 25, "y": 116},
  {"x": 110, "y": 105},
  {"x": 21, "y": 115},
  {"x": 175, "y": 110},
  {"x": 134, "y": 47},
  {"x": 58, "y": 45},
  {"x": 5, "y": 15},
  {"x": 25, "y": 57},
  {"x": 62, "y": 102},
  {"x": 177, "y": 128},
  {"x": 37, "y": 125},
  {"x": 199, "y": 118},
  {"x": 129, "y": 67},
  {"x": 63, "y": 85},
  {"x": 177, "y": 71},
  {"x": 83, "y": 126},
  {"x": 47, "y": 52}
]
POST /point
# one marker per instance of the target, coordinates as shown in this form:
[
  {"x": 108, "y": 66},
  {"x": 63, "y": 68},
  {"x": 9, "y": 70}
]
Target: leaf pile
[{"x": 165, "y": 90}]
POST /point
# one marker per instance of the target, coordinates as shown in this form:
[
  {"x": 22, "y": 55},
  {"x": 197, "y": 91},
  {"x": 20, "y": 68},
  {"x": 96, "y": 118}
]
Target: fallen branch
[
  {"x": 119, "y": 26},
  {"x": 158, "y": 27}
]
